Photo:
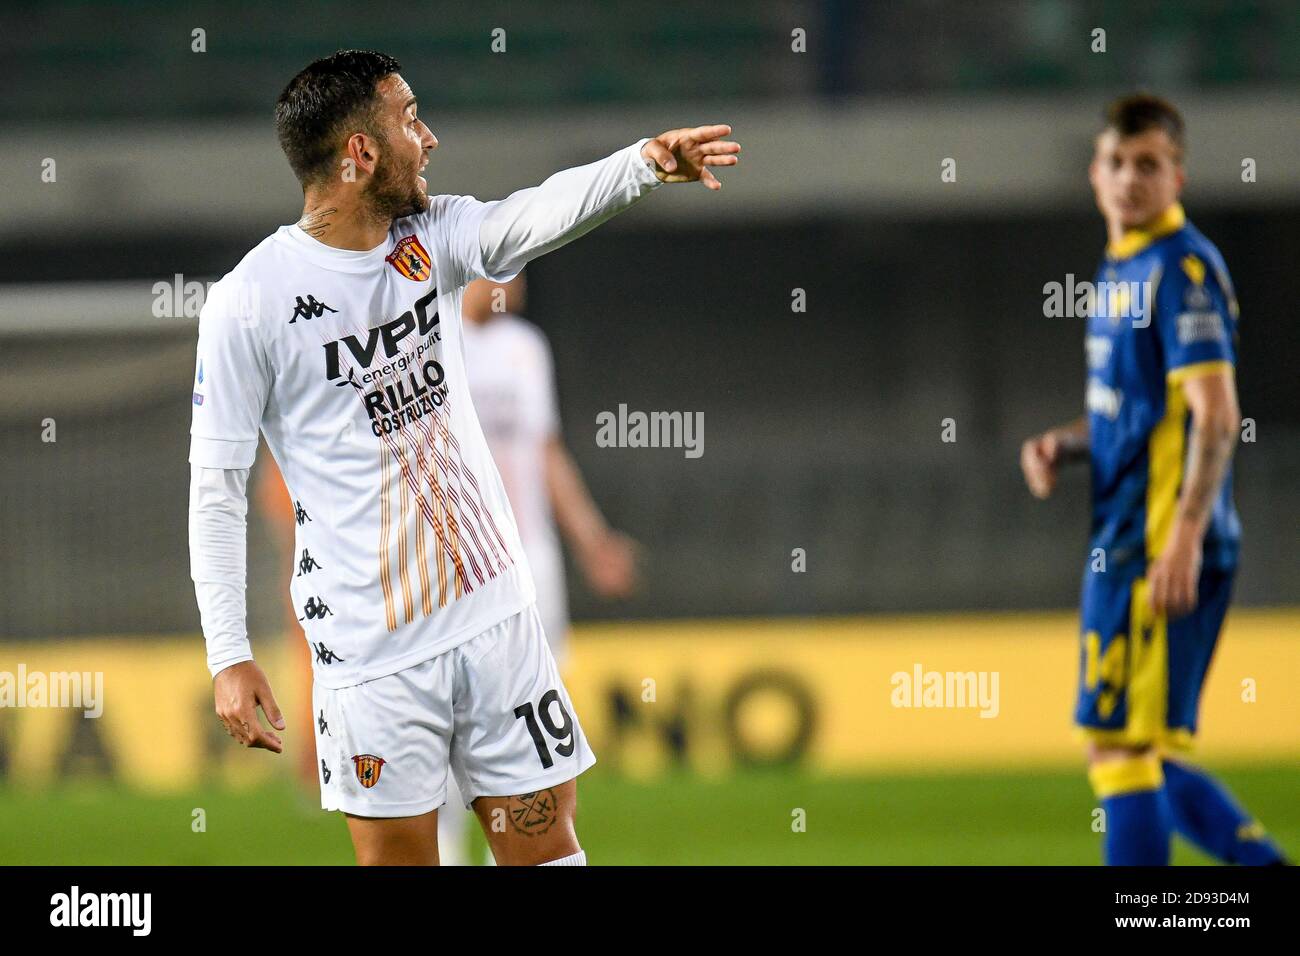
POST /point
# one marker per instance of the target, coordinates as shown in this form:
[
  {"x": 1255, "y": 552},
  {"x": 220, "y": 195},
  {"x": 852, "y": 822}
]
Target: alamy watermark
[
  {"x": 1073, "y": 299},
  {"x": 133, "y": 911},
  {"x": 946, "y": 689},
  {"x": 79, "y": 690},
  {"x": 624, "y": 429}
]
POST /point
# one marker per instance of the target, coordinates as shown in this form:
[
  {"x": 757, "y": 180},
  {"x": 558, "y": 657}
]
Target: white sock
[{"x": 578, "y": 859}]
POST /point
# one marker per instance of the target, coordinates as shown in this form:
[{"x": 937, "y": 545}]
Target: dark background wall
[{"x": 822, "y": 428}]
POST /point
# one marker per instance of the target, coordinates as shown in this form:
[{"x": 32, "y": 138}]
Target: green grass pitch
[{"x": 1041, "y": 817}]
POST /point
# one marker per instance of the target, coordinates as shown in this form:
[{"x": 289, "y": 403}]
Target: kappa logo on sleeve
[
  {"x": 324, "y": 655},
  {"x": 368, "y": 769},
  {"x": 410, "y": 259}
]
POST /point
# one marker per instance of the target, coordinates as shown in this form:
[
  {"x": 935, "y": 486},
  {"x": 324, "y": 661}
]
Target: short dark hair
[
  {"x": 330, "y": 97},
  {"x": 1139, "y": 112}
]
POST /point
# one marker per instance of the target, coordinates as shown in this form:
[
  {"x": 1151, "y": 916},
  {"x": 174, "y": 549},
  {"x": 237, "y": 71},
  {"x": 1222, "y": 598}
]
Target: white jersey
[
  {"x": 351, "y": 364},
  {"x": 512, "y": 379}
]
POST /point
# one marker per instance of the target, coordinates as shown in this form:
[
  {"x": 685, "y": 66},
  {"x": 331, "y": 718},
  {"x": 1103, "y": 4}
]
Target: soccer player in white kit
[
  {"x": 339, "y": 337},
  {"x": 512, "y": 382}
]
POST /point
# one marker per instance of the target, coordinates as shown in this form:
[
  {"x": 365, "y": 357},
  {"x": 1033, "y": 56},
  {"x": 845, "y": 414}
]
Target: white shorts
[{"x": 493, "y": 710}]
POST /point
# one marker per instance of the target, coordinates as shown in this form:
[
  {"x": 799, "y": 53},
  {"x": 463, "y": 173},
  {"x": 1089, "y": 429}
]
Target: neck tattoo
[{"x": 316, "y": 222}]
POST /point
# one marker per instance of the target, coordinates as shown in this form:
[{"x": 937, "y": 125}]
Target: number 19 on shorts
[{"x": 561, "y": 732}]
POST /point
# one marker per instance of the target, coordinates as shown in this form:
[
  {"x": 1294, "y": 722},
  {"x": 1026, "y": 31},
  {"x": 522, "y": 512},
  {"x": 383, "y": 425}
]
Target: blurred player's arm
[
  {"x": 1042, "y": 455},
  {"x": 511, "y": 232},
  {"x": 607, "y": 557},
  {"x": 1211, "y": 440},
  {"x": 1197, "y": 347}
]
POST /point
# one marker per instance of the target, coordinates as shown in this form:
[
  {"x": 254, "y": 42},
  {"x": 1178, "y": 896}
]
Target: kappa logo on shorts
[
  {"x": 368, "y": 769},
  {"x": 410, "y": 259}
]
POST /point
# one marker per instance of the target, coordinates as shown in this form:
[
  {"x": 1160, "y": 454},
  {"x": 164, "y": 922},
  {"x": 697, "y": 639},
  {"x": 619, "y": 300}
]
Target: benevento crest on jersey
[
  {"x": 410, "y": 259},
  {"x": 368, "y": 768}
]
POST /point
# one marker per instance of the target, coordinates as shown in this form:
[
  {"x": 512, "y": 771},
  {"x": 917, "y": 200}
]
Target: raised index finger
[{"x": 704, "y": 133}]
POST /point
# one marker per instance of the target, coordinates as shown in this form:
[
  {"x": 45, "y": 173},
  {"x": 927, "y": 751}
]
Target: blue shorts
[{"x": 1140, "y": 676}]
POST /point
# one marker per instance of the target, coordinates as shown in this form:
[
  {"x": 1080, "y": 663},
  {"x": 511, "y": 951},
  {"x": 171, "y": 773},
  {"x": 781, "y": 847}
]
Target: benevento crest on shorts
[
  {"x": 368, "y": 768},
  {"x": 409, "y": 258}
]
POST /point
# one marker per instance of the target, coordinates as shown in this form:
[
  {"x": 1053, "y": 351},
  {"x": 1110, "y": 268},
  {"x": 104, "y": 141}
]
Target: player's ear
[{"x": 363, "y": 150}]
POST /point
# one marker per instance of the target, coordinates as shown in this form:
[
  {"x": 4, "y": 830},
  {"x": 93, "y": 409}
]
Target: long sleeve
[
  {"x": 218, "y": 554},
  {"x": 497, "y": 239}
]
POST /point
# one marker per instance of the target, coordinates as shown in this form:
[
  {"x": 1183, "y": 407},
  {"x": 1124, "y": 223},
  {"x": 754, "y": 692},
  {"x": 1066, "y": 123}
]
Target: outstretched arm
[{"x": 532, "y": 222}]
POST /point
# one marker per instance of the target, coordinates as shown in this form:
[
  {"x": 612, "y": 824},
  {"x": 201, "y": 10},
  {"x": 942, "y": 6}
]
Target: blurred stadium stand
[{"x": 82, "y": 60}]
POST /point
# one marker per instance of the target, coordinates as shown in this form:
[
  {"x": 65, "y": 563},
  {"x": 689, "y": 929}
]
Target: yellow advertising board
[
  {"x": 843, "y": 695},
  {"x": 910, "y": 693}
]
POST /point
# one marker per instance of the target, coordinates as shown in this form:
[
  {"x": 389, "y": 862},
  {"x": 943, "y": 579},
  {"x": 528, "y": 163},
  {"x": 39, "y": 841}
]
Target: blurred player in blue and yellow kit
[{"x": 1161, "y": 426}]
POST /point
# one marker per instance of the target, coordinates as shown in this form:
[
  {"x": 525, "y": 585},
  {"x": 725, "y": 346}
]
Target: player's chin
[
  {"x": 1133, "y": 215},
  {"x": 418, "y": 201}
]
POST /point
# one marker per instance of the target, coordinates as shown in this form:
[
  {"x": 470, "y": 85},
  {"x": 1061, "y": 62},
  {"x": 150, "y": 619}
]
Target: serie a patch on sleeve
[{"x": 1199, "y": 327}]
